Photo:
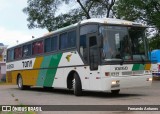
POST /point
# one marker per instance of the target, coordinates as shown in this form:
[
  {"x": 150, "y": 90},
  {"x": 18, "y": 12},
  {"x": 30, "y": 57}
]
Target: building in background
[{"x": 3, "y": 51}]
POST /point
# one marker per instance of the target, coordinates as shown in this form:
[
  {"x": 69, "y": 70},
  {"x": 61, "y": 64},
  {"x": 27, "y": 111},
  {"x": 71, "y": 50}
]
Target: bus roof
[
  {"x": 93, "y": 20},
  {"x": 99, "y": 20}
]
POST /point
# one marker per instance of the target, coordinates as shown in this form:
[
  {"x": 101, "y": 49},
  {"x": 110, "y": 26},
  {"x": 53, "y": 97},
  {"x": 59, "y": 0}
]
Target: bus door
[{"x": 94, "y": 60}]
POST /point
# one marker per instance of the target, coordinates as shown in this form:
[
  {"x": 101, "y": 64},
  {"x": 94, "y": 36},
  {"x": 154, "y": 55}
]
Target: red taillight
[{"x": 106, "y": 73}]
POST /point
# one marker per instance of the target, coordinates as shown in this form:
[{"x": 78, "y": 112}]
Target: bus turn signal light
[{"x": 106, "y": 73}]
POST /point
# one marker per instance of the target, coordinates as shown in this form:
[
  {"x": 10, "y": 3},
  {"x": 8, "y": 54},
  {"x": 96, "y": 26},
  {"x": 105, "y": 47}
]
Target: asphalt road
[{"x": 11, "y": 95}]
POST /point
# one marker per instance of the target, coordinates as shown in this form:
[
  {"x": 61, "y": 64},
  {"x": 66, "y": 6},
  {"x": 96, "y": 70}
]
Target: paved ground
[{"x": 11, "y": 95}]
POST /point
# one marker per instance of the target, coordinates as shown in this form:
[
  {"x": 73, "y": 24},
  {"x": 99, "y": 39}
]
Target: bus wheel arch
[
  {"x": 18, "y": 75},
  {"x": 20, "y": 84},
  {"x": 70, "y": 78},
  {"x": 20, "y": 81},
  {"x": 74, "y": 82}
]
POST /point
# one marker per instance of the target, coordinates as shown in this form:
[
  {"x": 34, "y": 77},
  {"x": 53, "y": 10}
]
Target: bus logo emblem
[{"x": 68, "y": 57}]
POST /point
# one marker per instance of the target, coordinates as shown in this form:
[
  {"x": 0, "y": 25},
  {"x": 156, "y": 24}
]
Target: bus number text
[{"x": 27, "y": 64}]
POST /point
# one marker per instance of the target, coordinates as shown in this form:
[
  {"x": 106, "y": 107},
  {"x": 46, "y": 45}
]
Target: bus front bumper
[{"x": 114, "y": 83}]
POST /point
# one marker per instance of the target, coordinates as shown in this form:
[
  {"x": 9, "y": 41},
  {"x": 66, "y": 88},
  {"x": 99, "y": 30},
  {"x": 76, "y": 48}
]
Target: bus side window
[
  {"x": 18, "y": 52},
  {"x": 83, "y": 47},
  {"x": 63, "y": 41},
  {"x": 68, "y": 40},
  {"x": 71, "y": 39},
  {"x": 50, "y": 44},
  {"x": 47, "y": 45},
  {"x": 10, "y": 55},
  {"x": 37, "y": 47},
  {"x": 26, "y": 50},
  {"x": 54, "y": 43}
]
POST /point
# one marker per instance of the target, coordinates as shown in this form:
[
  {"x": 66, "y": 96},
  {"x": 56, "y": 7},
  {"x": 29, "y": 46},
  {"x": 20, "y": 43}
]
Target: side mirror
[{"x": 100, "y": 41}]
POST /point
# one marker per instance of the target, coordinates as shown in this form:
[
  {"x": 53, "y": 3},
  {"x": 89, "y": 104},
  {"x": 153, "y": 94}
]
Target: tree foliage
[
  {"x": 154, "y": 42},
  {"x": 42, "y": 13},
  {"x": 145, "y": 11}
]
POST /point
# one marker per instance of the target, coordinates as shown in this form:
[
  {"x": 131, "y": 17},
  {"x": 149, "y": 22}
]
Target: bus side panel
[
  {"x": 68, "y": 62},
  {"x": 10, "y": 77},
  {"x": 29, "y": 77},
  {"x": 51, "y": 72},
  {"x": 60, "y": 79},
  {"x": 83, "y": 73}
]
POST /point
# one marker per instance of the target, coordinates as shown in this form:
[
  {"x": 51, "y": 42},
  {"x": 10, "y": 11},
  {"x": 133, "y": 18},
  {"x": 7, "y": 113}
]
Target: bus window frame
[
  {"x": 20, "y": 46},
  {"x": 87, "y": 40},
  {"x": 35, "y": 42},
  {"x": 69, "y": 48},
  {"x": 28, "y": 43}
]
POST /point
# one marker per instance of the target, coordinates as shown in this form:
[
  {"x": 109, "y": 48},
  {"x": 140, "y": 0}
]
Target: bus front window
[{"x": 123, "y": 43}]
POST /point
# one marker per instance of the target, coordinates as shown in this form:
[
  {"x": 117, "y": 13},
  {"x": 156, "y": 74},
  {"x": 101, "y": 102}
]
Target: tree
[
  {"x": 42, "y": 13},
  {"x": 145, "y": 11},
  {"x": 135, "y": 10}
]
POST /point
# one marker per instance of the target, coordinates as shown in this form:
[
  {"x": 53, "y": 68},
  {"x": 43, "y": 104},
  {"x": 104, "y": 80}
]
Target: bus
[
  {"x": 155, "y": 60},
  {"x": 99, "y": 54}
]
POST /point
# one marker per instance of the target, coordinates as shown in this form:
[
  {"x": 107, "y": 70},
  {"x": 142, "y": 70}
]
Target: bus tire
[
  {"x": 77, "y": 87},
  {"x": 20, "y": 83},
  {"x": 115, "y": 92}
]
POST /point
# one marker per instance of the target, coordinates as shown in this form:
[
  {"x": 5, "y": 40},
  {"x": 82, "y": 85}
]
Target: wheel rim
[
  {"x": 19, "y": 82},
  {"x": 74, "y": 84}
]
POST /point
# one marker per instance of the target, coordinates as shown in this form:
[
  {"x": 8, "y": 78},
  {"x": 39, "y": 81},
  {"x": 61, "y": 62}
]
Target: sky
[{"x": 13, "y": 23}]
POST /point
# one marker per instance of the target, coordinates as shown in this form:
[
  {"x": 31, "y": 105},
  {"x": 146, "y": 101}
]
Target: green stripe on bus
[
  {"x": 48, "y": 82},
  {"x": 138, "y": 67},
  {"x": 43, "y": 72}
]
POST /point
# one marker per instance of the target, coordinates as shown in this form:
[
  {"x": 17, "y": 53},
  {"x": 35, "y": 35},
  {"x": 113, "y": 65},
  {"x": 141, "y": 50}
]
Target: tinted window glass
[
  {"x": 71, "y": 39},
  {"x": 26, "y": 50},
  {"x": 47, "y": 45},
  {"x": 18, "y": 53},
  {"x": 88, "y": 29},
  {"x": 93, "y": 41},
  {"x": 37, "y": 47},
  {"x": 94, "y": 53},
  {"x": 10, "y": 55},
  {"x": 83, "y": 47},
  {"x": 63, "y": 41},
  {"x": 54, "y": 43}
]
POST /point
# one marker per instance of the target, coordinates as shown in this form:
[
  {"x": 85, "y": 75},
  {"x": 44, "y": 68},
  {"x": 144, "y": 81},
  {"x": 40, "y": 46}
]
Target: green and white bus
[{"x": 94, "y": 54}]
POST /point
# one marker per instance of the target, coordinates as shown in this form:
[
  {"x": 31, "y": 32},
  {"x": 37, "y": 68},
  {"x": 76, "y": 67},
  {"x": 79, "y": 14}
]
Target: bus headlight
[
  {"x": 115, "y": 83},
  {"x": 149, "y": 79}
]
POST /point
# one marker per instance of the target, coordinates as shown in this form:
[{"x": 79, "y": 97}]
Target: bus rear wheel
[
  {"x": 77, "y": 87},
  {"x": 20, "y": 83}
]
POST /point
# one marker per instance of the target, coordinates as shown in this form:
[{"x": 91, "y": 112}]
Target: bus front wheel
[
  {"x": 20, "y": 83},
  {"x": 77, "y": 87}
]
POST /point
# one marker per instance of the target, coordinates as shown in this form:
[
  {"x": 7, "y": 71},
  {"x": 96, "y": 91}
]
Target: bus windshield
[{"x": 123, "y": 43}]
